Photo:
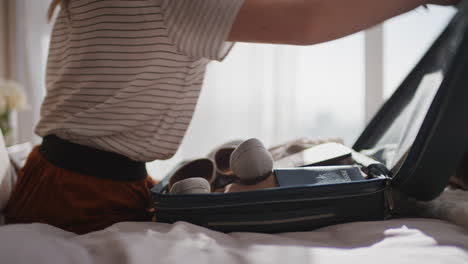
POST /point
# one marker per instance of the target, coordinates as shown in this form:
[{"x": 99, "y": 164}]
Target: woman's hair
[{"x": 54, "y": 5}]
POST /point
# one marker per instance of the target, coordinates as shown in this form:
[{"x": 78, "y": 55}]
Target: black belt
[{"x": 89, "y": 161}]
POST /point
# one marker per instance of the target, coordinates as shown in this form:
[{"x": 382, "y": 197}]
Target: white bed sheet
[{"x": 394, "y": 241}]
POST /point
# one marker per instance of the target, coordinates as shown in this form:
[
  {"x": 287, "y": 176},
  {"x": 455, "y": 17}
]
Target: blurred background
[{"x": 272, "y": 92}]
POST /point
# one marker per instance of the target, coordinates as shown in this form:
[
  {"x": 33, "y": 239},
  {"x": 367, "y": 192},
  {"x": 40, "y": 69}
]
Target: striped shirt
[{"x": 125, "y": 75}]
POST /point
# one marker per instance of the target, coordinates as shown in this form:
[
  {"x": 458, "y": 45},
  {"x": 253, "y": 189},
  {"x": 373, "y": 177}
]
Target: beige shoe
[
  {"x": 221, "y": 157},
  {"x": 191, "y": 186},
  {"x": 251, "y": 162},
  {"x": 199, "y": 168}
]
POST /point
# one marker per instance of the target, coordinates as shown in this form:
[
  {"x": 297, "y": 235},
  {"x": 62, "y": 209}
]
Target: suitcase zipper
[
  {"x": 270, "y": 202},
  {"x": 273, "y": 222}
]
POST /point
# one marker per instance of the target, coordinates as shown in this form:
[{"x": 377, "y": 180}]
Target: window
[{"x": 406, "y": 40}]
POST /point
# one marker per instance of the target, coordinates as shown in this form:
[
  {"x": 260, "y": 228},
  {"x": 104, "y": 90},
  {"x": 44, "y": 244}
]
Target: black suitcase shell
[{"x": 437, "y": 148}]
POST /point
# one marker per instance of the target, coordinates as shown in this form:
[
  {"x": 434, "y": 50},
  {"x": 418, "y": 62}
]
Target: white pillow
[{"x": 7, "y": 177}]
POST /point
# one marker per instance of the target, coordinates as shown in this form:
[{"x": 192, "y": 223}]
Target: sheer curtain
[
  {"x": 272, "y": 92},
  {"x": 32, "y": 41}
]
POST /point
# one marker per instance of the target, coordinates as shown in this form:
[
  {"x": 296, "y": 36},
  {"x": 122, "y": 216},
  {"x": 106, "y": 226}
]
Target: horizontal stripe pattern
[{"x": 125, "y": 75}]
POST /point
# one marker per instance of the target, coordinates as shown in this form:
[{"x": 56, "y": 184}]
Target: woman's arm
[{"x": 306, "y": 22}]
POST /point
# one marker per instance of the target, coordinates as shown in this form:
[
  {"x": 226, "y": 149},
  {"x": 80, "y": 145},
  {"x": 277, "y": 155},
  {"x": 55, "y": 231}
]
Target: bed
[{"x": 408, "y": 240}]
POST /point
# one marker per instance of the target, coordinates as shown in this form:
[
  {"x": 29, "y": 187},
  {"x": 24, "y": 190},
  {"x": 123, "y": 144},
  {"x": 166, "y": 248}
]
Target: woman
[{"x": 123, "y": 79}]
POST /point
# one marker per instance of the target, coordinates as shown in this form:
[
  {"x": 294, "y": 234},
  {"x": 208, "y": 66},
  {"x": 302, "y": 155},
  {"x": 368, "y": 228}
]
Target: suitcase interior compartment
[{"x": 278, "y": 209}]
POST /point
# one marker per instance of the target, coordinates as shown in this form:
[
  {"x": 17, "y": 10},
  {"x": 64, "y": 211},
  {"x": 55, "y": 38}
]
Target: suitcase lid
[{"x": 421, "y": 132}]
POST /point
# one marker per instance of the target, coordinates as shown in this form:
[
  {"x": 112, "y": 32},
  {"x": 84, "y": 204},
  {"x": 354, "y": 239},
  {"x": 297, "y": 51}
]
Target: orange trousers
[{"x": 74, "y": 202}]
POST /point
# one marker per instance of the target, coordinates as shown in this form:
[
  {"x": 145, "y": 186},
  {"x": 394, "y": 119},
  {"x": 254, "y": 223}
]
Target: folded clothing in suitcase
[{"x": 418, "y": 137}]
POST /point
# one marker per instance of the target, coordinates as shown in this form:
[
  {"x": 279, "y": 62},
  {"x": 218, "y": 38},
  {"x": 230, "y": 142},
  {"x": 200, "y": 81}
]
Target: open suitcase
[{"x": 419, "y": 135}]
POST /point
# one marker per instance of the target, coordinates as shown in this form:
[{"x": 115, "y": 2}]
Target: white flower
[{"x": 14, "y": 96}]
